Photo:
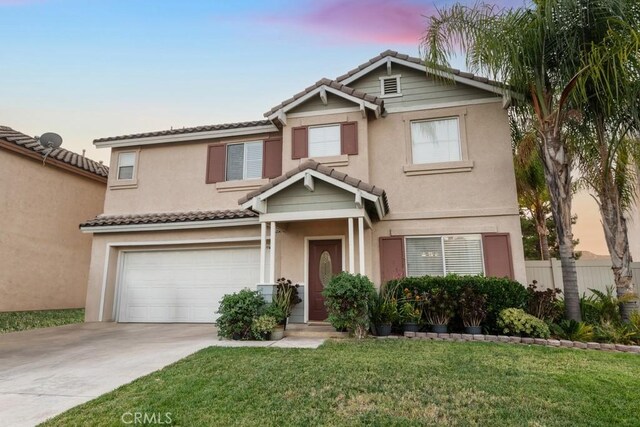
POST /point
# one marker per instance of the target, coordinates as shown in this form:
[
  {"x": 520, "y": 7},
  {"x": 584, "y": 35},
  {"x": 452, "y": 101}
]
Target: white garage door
[{"x": 183, "y": 285}]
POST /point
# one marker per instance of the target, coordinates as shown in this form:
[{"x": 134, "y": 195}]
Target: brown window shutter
[
  {"x": 216, "y": 163},
  {"x": 498, "y": 261},
  {"x": 349, "y": 138},
  {"x": 299, "y": 143},
  {"x": 391, "y": 258},
  {"x": 272, "y": 158}
]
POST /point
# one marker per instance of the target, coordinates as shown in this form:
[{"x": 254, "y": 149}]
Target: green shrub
[
  {"x": 348, "y": 299},
  {"x": 237, "y": 312},
  {"x": 438, "y": 307},
  {"x": 544, "y": 303},
  {"x": 500, "y": 293},
  {"x": 610, "y": 332},
  {"x": 262, "y": 326},
  {"x": 572, "y": 330},
  {"x": 602, "y": 307},
  {"x": 514, "y": 321},
  {"x": 276, "y": 312}
]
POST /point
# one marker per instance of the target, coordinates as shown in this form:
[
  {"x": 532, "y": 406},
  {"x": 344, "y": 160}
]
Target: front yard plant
[
  {"x": 263, "y": 326},
  {"x": 473, "y": 311},
  {"x": 348, "y": 298},
  {"x": 237, "y": 313},
  {"x": 439, "y": 307},
  {"x": 514, "y": 321}
]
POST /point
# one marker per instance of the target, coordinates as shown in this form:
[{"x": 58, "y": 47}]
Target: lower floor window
[{"x": 441, "y": 255}]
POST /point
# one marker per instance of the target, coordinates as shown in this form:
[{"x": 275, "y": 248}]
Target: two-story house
[{"x": 386, "y": 171}]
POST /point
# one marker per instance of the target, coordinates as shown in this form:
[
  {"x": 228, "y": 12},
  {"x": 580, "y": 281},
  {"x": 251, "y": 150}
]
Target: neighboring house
[
  {"x": 44, "y": 259},
  {"x": 633, "y": 223},
  {"x": 385, "y": 171}
]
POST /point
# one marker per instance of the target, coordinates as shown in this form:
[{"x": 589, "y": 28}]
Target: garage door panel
[{"x": 183, "y": 285}]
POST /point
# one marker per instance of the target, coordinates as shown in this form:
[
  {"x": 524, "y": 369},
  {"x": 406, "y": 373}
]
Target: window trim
[
  {"x": 116, "y": 182},
  {"x": 444, "y": 258},
  {"x": 324, "y": 125},
  {"x": 390, "y": 95},
  {"x": 462, "y": 165},
  {"x": 244, "y": 161}
]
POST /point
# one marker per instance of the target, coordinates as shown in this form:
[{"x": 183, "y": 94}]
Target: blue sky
[
  {"x": 95, "y": 68},
  {"x": 89, "y": 69}
]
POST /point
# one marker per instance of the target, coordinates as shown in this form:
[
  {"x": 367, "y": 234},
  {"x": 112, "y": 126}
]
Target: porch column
[
  {"x": 361, "y": 244},
  {"x": 352, "y": 261},
  {"x": 272, "y": 254},
  {"x": 263, "y": 250}
]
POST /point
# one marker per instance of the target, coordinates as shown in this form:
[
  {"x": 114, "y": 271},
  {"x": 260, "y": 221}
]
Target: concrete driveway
[{"x": 44, "y": 372}]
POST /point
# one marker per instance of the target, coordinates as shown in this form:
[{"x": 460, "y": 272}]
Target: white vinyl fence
[{"x": 592, "y": 274}]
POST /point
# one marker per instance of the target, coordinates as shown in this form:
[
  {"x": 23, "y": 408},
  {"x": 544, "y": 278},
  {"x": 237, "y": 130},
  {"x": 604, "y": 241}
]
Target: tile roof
[
  {"x": 207, "y": 128},
  {"x": 415, "y": 60},
  {"x": 333, "y": 84},
  {"x": 325, "y": 170},
  {"x": 167, "y": 217},
  {"x": 78, "y": 161}
]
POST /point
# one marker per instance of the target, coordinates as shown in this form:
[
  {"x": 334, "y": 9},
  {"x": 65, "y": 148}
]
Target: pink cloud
[{"x": 369, "y": 21}]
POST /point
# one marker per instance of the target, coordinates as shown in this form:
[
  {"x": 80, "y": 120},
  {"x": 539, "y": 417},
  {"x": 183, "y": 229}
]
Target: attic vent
[{"x": 390, "y": 86}]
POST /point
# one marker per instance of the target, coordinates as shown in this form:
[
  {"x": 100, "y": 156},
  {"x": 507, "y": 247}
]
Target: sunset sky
[{"x": 89, "y": 69}]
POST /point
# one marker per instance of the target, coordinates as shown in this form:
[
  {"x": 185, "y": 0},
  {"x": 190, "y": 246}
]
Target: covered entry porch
[{"x": 318, "y": 223}]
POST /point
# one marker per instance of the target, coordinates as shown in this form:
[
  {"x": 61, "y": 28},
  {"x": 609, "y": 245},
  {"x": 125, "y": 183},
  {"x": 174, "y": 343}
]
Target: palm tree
[
  {"x": 533, "y": 196},
  {"x": 544, "y": 55},
  {"x": 608, "y": 159}
]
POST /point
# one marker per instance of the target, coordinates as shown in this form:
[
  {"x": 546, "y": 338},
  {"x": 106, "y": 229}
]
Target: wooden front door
[{"x": 325, "y": 261}]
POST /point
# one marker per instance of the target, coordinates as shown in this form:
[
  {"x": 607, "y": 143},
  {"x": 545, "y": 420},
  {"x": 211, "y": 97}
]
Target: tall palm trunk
[
  {"x": 558, "y": 176},
  {"x": 540, "y": 219},
  {"x": 614, "y": 224}
]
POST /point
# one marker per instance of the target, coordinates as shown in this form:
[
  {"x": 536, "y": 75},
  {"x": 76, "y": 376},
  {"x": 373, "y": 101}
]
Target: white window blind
[
  {"x": 424, "y": 256},
  {"x": 324, "y": 141},
  {"x": 244, "y": 161},
  {"x": 463, "y": 255},
  {"x": 435, "y": 141},
  {"x": 437, "y": 256},
  {"x": 126, "y": 164}
]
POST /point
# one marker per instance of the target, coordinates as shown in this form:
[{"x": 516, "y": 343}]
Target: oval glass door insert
[{"x": 325, "y": 269}]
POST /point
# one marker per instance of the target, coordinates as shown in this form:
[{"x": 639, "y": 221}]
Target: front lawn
[
  {"x": 13, "y": 321},
  {"x": 381, "y": 382}
]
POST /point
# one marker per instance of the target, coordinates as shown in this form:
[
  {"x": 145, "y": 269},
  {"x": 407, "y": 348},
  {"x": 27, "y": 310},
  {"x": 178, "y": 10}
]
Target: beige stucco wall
[
  {"x": 172, "y": 178},
  {"x": 44, "y": 258}
]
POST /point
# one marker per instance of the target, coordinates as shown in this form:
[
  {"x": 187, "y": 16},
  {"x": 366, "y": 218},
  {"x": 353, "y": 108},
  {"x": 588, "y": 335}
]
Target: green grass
[
  {"x": 13, "y": 321},
  {"x": 375, "y": 382}
]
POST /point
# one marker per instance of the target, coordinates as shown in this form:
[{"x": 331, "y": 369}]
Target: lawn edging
[{"x": 635, "y": 349}]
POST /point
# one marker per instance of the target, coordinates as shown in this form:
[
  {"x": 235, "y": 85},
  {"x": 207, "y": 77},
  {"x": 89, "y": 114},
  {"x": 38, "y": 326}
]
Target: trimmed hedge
[{"x": 501, "y": 293}]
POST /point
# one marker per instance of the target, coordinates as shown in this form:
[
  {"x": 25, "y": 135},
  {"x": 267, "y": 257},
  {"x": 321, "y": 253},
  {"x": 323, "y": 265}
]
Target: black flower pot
[
  {"x": 383, "y": 330},
  {"x": 475, "y": 330},
  {"x": 411, "y": 327},
  {"x": 439, "y": 329}
]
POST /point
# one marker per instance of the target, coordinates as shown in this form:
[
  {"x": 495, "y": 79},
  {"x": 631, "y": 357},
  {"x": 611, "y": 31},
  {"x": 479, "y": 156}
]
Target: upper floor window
[
  {"x": 441, "y": 255},
  {"x": 324, "y": 141},
  {"x": 126, "y": 166},
  {"x": 244, "y": 161},
  {"x": 436, "y": 141}
]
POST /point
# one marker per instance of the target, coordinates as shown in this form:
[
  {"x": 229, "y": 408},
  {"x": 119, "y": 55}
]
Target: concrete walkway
[{"x": 44, "y": 372}]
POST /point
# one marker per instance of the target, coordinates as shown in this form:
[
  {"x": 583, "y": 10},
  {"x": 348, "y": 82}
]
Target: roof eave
[{"x": 183, "y": 137}]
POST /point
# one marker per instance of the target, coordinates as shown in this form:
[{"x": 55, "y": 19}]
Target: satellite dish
[{"x": 49, "y": 141}]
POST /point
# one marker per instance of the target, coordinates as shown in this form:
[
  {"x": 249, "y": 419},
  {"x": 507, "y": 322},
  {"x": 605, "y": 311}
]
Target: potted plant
[
  {"x": 286, "y": 297},
  {"x": 263, "y": 326},
  {"x": 439, "y": 308},
  {"x": 276, "y": 312},
  {"x": 384, "y": 312},
  {"x": 473, "y": 310},
  {"x": 410, "y": 311}
]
